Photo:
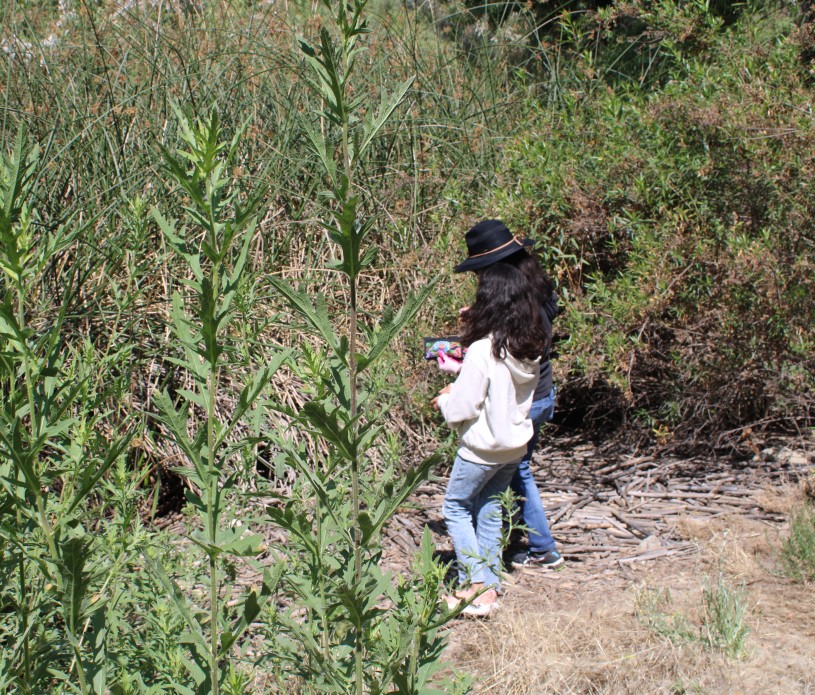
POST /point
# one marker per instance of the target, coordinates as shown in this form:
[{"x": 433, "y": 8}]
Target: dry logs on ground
[{"x": 622, "y": 511}]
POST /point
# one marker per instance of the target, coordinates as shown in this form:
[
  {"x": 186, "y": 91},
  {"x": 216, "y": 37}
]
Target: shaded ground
[{"x": 643, "y": 539}]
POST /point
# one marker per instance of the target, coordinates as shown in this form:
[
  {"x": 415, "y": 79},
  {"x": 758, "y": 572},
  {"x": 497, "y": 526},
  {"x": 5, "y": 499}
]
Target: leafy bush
[
  {"x": 722, "y": 614},
  {"x": 721, "y": 617},
  {"x": 798, "y": 549},
  {"x": 160, "y": 286},
  {"x": 678, "y": 221}
]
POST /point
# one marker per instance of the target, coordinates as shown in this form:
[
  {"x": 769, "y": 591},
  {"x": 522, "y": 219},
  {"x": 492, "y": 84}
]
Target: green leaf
[
  {"x": 391, "y": 500},
  {"x": 96, "y": 667},
  {"x": 24, "y": 453},
  {"x": 183, "y": 330},
  {"x": 209, "y": 323},
  {"x": 198, "y": 667},
  {"x": 387, "y": 107},
  {"x": 349, "y": 235},
  {"x": 231, "y": 541},
  {"x": 180, "y": 246},
  {"x": 319, "y": 146},
  {"x": 316, "y": 314},
  {"x": 252, "y": 605},
  {"x": 90, "y": 475},
  {"x": 390, "y": 327},
  {"x": 320, "y": 420},
  {"x": 196, "y": 632},
  {"x": 296, "y": 523},
  {"x": 73, "y": 554},
  {"x": 232, "y": 284},
  {"x": 177, "y": 424},
  {"x": 196, "y": 397},
  {"x": 251, "y": 392}
]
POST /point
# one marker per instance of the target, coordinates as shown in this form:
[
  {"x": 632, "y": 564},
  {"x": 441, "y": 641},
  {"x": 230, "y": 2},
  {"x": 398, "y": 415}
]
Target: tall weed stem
[{"x": 218, "y": 266}]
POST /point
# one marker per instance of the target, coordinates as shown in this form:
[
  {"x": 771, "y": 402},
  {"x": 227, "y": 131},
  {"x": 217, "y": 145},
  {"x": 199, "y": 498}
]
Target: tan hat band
[{"x": 514, "y": 240}]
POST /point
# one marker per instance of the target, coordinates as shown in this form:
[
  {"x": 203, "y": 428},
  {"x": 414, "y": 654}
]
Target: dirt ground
[{"x": 648, "y": 542}]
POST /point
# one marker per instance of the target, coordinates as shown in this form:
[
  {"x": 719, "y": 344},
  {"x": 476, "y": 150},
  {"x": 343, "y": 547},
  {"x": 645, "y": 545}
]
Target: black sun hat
[{"x": 488, "y": 242}]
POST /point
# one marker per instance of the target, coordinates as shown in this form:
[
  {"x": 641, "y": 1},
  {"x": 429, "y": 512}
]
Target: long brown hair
[
  {"x": 505, "y": 309},
  {"x": 538, "y": 281}
]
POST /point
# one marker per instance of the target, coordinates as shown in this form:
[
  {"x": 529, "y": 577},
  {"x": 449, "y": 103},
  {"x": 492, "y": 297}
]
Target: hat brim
[{"x": 493, "y": 257}]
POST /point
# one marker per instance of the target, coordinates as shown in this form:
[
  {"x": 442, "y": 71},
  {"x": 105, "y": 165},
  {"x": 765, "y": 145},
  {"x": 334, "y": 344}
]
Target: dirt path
[{"x": 644, "y": 538}]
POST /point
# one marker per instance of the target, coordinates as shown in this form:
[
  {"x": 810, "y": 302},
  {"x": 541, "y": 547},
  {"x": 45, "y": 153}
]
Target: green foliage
[
  {"x": 660, "y": 152},
  {"x": 352, "y": 626},
  {"x": 510, "y": 513},
  {"x": 53, "y": 456},
  {"x": 105, "y": 296},
  {"x": 653, "y": 607},
  {"x": 675, "y": 215},
  {"x": 215, "y": 248},
  {"x": 721, "y": 617},
  {"x": 722, "y": 614},
  {"x": 798, "y": 549}
]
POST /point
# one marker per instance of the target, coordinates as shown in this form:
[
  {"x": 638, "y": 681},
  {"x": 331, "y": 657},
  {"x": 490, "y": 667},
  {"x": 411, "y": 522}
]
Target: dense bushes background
[
  {"x": 659, "y": 152},
  {"x": 683, "y": 187}
]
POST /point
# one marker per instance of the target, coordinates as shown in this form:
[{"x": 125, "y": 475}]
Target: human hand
[
  {"x": 447, "y": 364},
  {"x": 435, "y": 401}
]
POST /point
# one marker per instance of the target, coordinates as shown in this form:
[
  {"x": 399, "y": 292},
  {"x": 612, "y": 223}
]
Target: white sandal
[{"x": 472, "y": 610}]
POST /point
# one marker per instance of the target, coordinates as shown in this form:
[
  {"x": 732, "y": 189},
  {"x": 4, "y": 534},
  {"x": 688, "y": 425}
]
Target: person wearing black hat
[
  {"x": 490, "y": 242},
  {"x": 488, "y": 407}
]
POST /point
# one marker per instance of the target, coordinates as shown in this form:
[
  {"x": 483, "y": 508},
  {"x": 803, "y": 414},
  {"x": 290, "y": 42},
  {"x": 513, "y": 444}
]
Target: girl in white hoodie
[{"x": 488, "y": 405}]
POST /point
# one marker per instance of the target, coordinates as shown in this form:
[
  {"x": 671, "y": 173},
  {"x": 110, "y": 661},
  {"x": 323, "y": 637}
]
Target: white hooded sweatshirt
[{"x": 488, "y": 405}]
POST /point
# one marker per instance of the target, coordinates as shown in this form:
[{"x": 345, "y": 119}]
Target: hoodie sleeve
[
  {"x": 468, "y": 392},
  {"x": 551, "y": 307}
]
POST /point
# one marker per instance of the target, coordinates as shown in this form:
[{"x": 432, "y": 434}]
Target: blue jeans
[
  {"x": 472, "y": 511},
  {"x": 523, "y": 484}
]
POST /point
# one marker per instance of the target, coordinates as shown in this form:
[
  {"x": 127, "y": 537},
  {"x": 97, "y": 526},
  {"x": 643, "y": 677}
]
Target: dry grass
[
  {"x": 580, "y": 632},
  {"x": 743, "y": 549},
  {"x": 783, "y": 499},
  {"x": 590, "y": 648}
]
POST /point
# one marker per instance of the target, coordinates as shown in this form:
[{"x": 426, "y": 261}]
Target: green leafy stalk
[
  {"x": 218, "y": 264},
  {"x": 48, "y": 430},
  {"x": 338, "y": 537}
]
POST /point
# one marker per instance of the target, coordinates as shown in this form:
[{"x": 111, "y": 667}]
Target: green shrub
[
  {"x": 798, "y": 549},
  {"x": 721, "y": 617},
  {"x": 653, "y": 608},
  {"x": 676, "y": 217},
  {"x": 722, "y": 614}
]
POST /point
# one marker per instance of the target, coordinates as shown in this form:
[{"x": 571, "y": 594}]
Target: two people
[{"x": 497, "y": 404}]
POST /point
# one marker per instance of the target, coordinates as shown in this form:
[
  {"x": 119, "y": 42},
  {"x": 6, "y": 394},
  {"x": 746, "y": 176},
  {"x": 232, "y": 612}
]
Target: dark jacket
[{"x": 549, "y": 310}]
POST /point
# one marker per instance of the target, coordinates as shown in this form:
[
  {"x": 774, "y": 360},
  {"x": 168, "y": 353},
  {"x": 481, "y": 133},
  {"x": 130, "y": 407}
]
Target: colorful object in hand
[{"x": 449, "y": 346}]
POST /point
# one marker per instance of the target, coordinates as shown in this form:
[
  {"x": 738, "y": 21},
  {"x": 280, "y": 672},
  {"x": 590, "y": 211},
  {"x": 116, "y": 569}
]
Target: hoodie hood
[{"x": 523, "y": 372}]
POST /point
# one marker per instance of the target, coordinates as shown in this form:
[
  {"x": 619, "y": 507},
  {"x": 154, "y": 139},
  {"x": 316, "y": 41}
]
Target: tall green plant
[
  {"x": 53, "y": 453},
  {"x": 798, "y": 549},
  {"x": 365, "y": 630},
  {"x": 214, "y": 246}
]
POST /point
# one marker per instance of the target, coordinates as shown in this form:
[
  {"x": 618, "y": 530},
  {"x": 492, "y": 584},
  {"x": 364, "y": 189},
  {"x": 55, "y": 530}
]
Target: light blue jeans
[
  {"x": 524, "y": 486},
  {"x": 472, "y": 511}
]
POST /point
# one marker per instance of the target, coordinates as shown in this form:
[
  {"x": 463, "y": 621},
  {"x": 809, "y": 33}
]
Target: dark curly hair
[
  {"x": 505, "y": 308},
  {"x": 539, "y": 283}
]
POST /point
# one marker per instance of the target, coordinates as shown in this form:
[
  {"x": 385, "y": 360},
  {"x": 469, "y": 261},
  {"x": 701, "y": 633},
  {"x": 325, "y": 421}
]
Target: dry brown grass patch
[
  {"x": 585, "y": 632},
  {"x": 591, "y": 648},
  {"x": 741, "y": 547},
  {"x": 783, "y": 499}
]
